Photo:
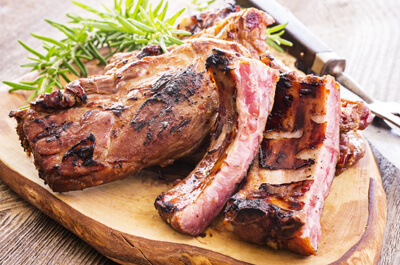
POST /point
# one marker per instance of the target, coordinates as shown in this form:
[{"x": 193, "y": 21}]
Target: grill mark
[
  {"x": 179, "y": 127},
  {"x": 79, "y": 160},
  {"x": 161, "y": 83},
  {"x": 116, "y": 109},
  {"x": 148, "y": 139},
  {"x": 83, "y": 150},
  {"x": 87, "y": 114},
  {"x": 52, "y": 130}
]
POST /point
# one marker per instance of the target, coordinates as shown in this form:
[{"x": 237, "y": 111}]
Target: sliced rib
[
  {"x": 280, "y": 202},
  {"x": 246, "y": 89}
]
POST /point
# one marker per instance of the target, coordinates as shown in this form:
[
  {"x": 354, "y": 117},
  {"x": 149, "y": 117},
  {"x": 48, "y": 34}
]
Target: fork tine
[{"x": 385, "y": 114}]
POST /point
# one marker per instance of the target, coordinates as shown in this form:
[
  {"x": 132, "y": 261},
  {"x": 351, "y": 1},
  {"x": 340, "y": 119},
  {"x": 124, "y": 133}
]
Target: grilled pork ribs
[{"x": 150, "y": 108}]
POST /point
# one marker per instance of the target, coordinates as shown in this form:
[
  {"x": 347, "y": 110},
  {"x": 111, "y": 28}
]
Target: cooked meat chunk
[
  {"x": 247, "y": 27},
  {"x": 280, "y": 201},
  {"x": 355, "y": 115},
  {"x": 204, "y": 20},
  {"x": 104, "y": 128},
  {"x": 246, "y": 90},
  {"x": 351, "y": 150}
]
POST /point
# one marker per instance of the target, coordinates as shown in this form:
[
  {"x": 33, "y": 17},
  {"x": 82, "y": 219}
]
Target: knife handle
[{"x": 305, "y": 44}]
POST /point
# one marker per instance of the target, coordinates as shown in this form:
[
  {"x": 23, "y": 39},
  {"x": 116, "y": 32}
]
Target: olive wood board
[{"x": 120, "y": 221}]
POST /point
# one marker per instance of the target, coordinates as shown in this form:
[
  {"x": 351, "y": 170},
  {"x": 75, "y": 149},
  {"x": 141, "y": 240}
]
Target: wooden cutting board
[{"x": 120, "y": 221}]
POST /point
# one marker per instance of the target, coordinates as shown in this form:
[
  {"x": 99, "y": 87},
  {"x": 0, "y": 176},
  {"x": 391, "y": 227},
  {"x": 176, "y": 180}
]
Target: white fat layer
[
  {"x": 308, "y": 154},
  {"x": 283, "y": 135},
  {"x": 318, "y": 118},
  {"x": 282, "y": 176}
]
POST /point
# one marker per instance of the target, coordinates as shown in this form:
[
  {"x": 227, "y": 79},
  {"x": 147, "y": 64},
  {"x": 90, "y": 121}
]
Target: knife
[{"x": 314, "y": 56}]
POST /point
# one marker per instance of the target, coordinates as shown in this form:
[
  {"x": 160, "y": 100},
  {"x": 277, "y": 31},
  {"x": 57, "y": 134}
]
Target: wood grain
[{"x": 365, "y": 32}]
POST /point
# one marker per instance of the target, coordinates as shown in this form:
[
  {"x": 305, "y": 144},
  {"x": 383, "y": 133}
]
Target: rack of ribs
[
  {"x": 280, "y": 201},
  {"x": 151, "y": 111}
]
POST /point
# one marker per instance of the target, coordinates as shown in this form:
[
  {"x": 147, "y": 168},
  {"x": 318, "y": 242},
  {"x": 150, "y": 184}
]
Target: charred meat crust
[
  {"x": 20, "y": 116},
  {"x": 168, "y": 92},
  {"x": 151, "y": 50},
  {"x": 82, "y": 151},
  {"x": 269, "y": 223},
  {"x": 74, "y": 94},
  {"x": 281, "y": 199}
]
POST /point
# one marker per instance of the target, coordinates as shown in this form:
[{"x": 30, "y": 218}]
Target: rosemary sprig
[
  {"x": 274, "y": 38},
  {"x": 127, "y": 26}
]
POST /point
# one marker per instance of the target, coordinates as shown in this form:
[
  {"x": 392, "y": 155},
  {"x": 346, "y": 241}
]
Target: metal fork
[{"x": 388, "y": 111}]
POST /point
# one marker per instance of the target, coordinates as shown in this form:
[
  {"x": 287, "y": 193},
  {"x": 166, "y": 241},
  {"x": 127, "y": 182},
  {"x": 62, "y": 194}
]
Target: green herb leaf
[
  {"x": 274, "y": 39},
  {"x": 18, "y": 86}
]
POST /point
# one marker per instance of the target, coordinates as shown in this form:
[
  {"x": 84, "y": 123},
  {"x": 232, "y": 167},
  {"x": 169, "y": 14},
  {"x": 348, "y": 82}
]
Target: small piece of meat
[
  {"x": 352, "y": 149},
  {"x": 247, "y": 27},
  {"x": 206, "y": 19},
  {"x": 246, "y": 89},
  {"x": 104, "y": 128},
  {"x": 280, "y": 201},
  {"x": 355, "y": 115}
]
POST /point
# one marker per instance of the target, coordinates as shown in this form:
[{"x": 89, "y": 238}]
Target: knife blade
[{"x": 314, "y": 56}]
